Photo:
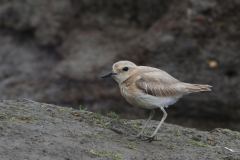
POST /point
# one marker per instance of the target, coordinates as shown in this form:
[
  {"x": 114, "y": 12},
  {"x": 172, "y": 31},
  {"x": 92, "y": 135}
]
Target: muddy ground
[{"x": 32, "y": 130}]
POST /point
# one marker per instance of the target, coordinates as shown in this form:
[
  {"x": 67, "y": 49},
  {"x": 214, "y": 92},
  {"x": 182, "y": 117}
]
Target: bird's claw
[
  {"x": 139, "y": 136},
  {"x": 144, "y": 138},
  {"x": 149, "y": 138}
]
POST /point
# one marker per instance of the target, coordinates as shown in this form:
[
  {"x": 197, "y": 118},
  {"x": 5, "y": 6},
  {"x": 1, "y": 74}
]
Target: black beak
[{"x": 108, "y": 74}]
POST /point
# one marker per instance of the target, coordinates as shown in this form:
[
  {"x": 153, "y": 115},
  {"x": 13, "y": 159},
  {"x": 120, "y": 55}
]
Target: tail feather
[{"x": 197, "y": 87}]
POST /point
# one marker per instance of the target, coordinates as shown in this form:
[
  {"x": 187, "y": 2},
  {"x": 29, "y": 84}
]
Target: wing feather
[{"x": 158, "y": 83}]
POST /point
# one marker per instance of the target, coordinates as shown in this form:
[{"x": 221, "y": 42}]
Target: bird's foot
[
  {"x": 150, "y": 139},
  {"x": 139, "y": 136},
  {"x": 144, "y": 138}
]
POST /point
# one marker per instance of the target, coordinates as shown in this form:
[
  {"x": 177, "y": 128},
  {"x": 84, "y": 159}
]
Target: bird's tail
[{"x": 197, "y": 87}]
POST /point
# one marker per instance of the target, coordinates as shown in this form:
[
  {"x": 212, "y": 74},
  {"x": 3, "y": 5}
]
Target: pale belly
[{"x": 148, "y": 101}]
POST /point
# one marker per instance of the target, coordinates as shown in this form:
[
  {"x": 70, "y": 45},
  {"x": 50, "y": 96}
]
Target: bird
[{"x": 150, "y": 88}]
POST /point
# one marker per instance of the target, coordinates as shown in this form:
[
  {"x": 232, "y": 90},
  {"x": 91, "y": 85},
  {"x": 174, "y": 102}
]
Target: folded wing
[{"x": 158, "y": 83}]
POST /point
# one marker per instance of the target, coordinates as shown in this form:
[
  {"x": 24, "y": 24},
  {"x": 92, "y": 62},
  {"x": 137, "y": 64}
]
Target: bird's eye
[{"x": 125, "y": 69}]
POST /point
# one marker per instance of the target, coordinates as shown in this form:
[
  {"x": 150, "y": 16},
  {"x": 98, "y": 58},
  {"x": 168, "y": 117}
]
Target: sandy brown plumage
[
  {"x": 150, "y": 88},
  {"x": 159, "y": 83}
]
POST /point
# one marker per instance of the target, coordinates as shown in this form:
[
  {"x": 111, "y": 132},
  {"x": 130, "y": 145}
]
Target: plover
[{"x": 150, "y": 88}]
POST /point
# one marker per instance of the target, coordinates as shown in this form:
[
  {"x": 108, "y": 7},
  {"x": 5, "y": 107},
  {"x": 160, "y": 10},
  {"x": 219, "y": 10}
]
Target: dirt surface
[{"x": 32, "y": 130}]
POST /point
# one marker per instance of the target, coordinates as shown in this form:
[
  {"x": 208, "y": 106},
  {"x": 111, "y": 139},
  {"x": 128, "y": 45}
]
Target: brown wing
[{"x": 158, "y": 83}]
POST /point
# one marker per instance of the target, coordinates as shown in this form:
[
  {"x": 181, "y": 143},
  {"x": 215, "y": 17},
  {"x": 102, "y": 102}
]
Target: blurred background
[{"x": 55, "y": 51}]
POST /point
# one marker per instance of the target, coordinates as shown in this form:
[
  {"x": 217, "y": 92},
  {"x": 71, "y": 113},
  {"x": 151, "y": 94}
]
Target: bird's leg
[
  {"x": 151, "y": 116},
  {"x": 151, "y": 138}
]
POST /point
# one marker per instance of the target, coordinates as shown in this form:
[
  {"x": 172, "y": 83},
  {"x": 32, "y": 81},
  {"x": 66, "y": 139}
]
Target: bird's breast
[{"x": 127, "y": 90}]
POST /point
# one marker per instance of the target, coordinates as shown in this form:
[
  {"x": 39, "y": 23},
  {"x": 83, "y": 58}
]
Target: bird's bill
[{"x": 108, "y": 74}]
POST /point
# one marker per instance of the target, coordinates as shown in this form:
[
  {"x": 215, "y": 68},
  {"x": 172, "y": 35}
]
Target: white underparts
[{"x": 148, "y": 101}]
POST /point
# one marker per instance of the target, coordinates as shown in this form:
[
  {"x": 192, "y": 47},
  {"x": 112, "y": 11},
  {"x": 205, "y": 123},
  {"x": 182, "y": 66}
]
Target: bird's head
[{"x": 122, "y": 70}]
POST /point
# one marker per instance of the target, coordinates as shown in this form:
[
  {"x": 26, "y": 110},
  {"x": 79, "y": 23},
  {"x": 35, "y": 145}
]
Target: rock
[{"x": 33, "y": 130}]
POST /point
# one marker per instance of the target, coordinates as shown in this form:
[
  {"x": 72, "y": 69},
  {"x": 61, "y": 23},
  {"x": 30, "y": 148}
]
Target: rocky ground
[{"x": 33, "y": 130}]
